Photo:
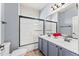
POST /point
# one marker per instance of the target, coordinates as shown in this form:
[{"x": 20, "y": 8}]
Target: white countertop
[{"x": 72, "y": 45}]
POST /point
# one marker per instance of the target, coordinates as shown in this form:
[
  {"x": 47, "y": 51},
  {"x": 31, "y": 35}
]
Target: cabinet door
[
  {"x": 68, "y": 53},
  {"x": 60, "y": 51},
  {"x": 52, "y": 49},
  {"x": 44, "y": 47},
  {"x": 40, "y": 44}
]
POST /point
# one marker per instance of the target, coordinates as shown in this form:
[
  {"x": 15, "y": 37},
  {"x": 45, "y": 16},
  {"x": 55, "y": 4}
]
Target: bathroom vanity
[
  {"x": 67, "y": 18},
  {"x": 51, "y": 46}
]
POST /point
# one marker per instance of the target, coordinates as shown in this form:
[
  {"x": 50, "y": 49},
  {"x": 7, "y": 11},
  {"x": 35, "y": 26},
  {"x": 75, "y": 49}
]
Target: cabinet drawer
[{"x": 50, "y": 43}]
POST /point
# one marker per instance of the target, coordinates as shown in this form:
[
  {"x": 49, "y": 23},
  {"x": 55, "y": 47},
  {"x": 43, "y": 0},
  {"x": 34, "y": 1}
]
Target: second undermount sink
[{"x": 69, "y": 39}]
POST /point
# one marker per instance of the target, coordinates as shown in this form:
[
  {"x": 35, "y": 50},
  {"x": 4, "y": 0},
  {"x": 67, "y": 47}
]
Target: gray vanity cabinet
[
  {"x": 44, "y": 47},
  {"x": 65, "y": 52},
  {"x": 52, "y": 49},
  {"x": 40, "y": 44}
]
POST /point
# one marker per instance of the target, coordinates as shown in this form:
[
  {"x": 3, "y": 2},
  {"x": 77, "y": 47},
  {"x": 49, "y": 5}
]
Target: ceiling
[{"x": 37, "y": 6}]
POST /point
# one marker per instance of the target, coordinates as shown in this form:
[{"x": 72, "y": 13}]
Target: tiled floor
[{"x": 34, "y": 53}]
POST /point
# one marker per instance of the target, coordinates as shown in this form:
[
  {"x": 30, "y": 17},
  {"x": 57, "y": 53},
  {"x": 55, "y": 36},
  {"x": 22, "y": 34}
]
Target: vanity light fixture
[{"x": 55, "y": 6}]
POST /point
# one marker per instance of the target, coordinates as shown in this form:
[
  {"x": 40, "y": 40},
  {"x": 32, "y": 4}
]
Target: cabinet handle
[
  {"x": 3, "y": 22},
  {"x": 56, "y": 46},
  {"x": 61, "y": 48}
]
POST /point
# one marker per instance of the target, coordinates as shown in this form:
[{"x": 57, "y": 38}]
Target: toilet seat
[{"x": 19, "y": 52}]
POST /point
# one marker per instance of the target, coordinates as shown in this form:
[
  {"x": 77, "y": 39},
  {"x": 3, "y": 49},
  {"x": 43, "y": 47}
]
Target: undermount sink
[
  {"x": 70, "y": 39},
  {"x": 67, "y": 39}
]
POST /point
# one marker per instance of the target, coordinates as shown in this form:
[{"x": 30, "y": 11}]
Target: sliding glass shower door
[{"x": 30, "y": 29}]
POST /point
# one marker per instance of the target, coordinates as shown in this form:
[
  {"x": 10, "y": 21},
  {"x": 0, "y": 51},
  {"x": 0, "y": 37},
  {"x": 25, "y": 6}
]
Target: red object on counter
[{"x": 56, "y": 34}]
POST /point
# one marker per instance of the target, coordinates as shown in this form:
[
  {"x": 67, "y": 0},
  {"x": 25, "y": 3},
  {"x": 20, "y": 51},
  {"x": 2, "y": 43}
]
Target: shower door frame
[{"x": 32, "y": 18}]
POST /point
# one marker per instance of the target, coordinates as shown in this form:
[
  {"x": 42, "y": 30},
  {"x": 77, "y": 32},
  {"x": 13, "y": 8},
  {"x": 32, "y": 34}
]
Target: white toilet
[{"x": 17, "y": 52}]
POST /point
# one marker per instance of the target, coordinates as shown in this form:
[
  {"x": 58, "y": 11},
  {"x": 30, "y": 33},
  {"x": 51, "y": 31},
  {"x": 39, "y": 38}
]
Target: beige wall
[{"x": 27, "y": 11}]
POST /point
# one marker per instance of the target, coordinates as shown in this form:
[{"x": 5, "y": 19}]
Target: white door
[
  {"x": 0, "y": 32},
  {"x": 0, "y": 23},
  {"x": 29, "y": 31},
  {"x": 0, "y": 27},
  {"x": 0, "y": 37}
]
